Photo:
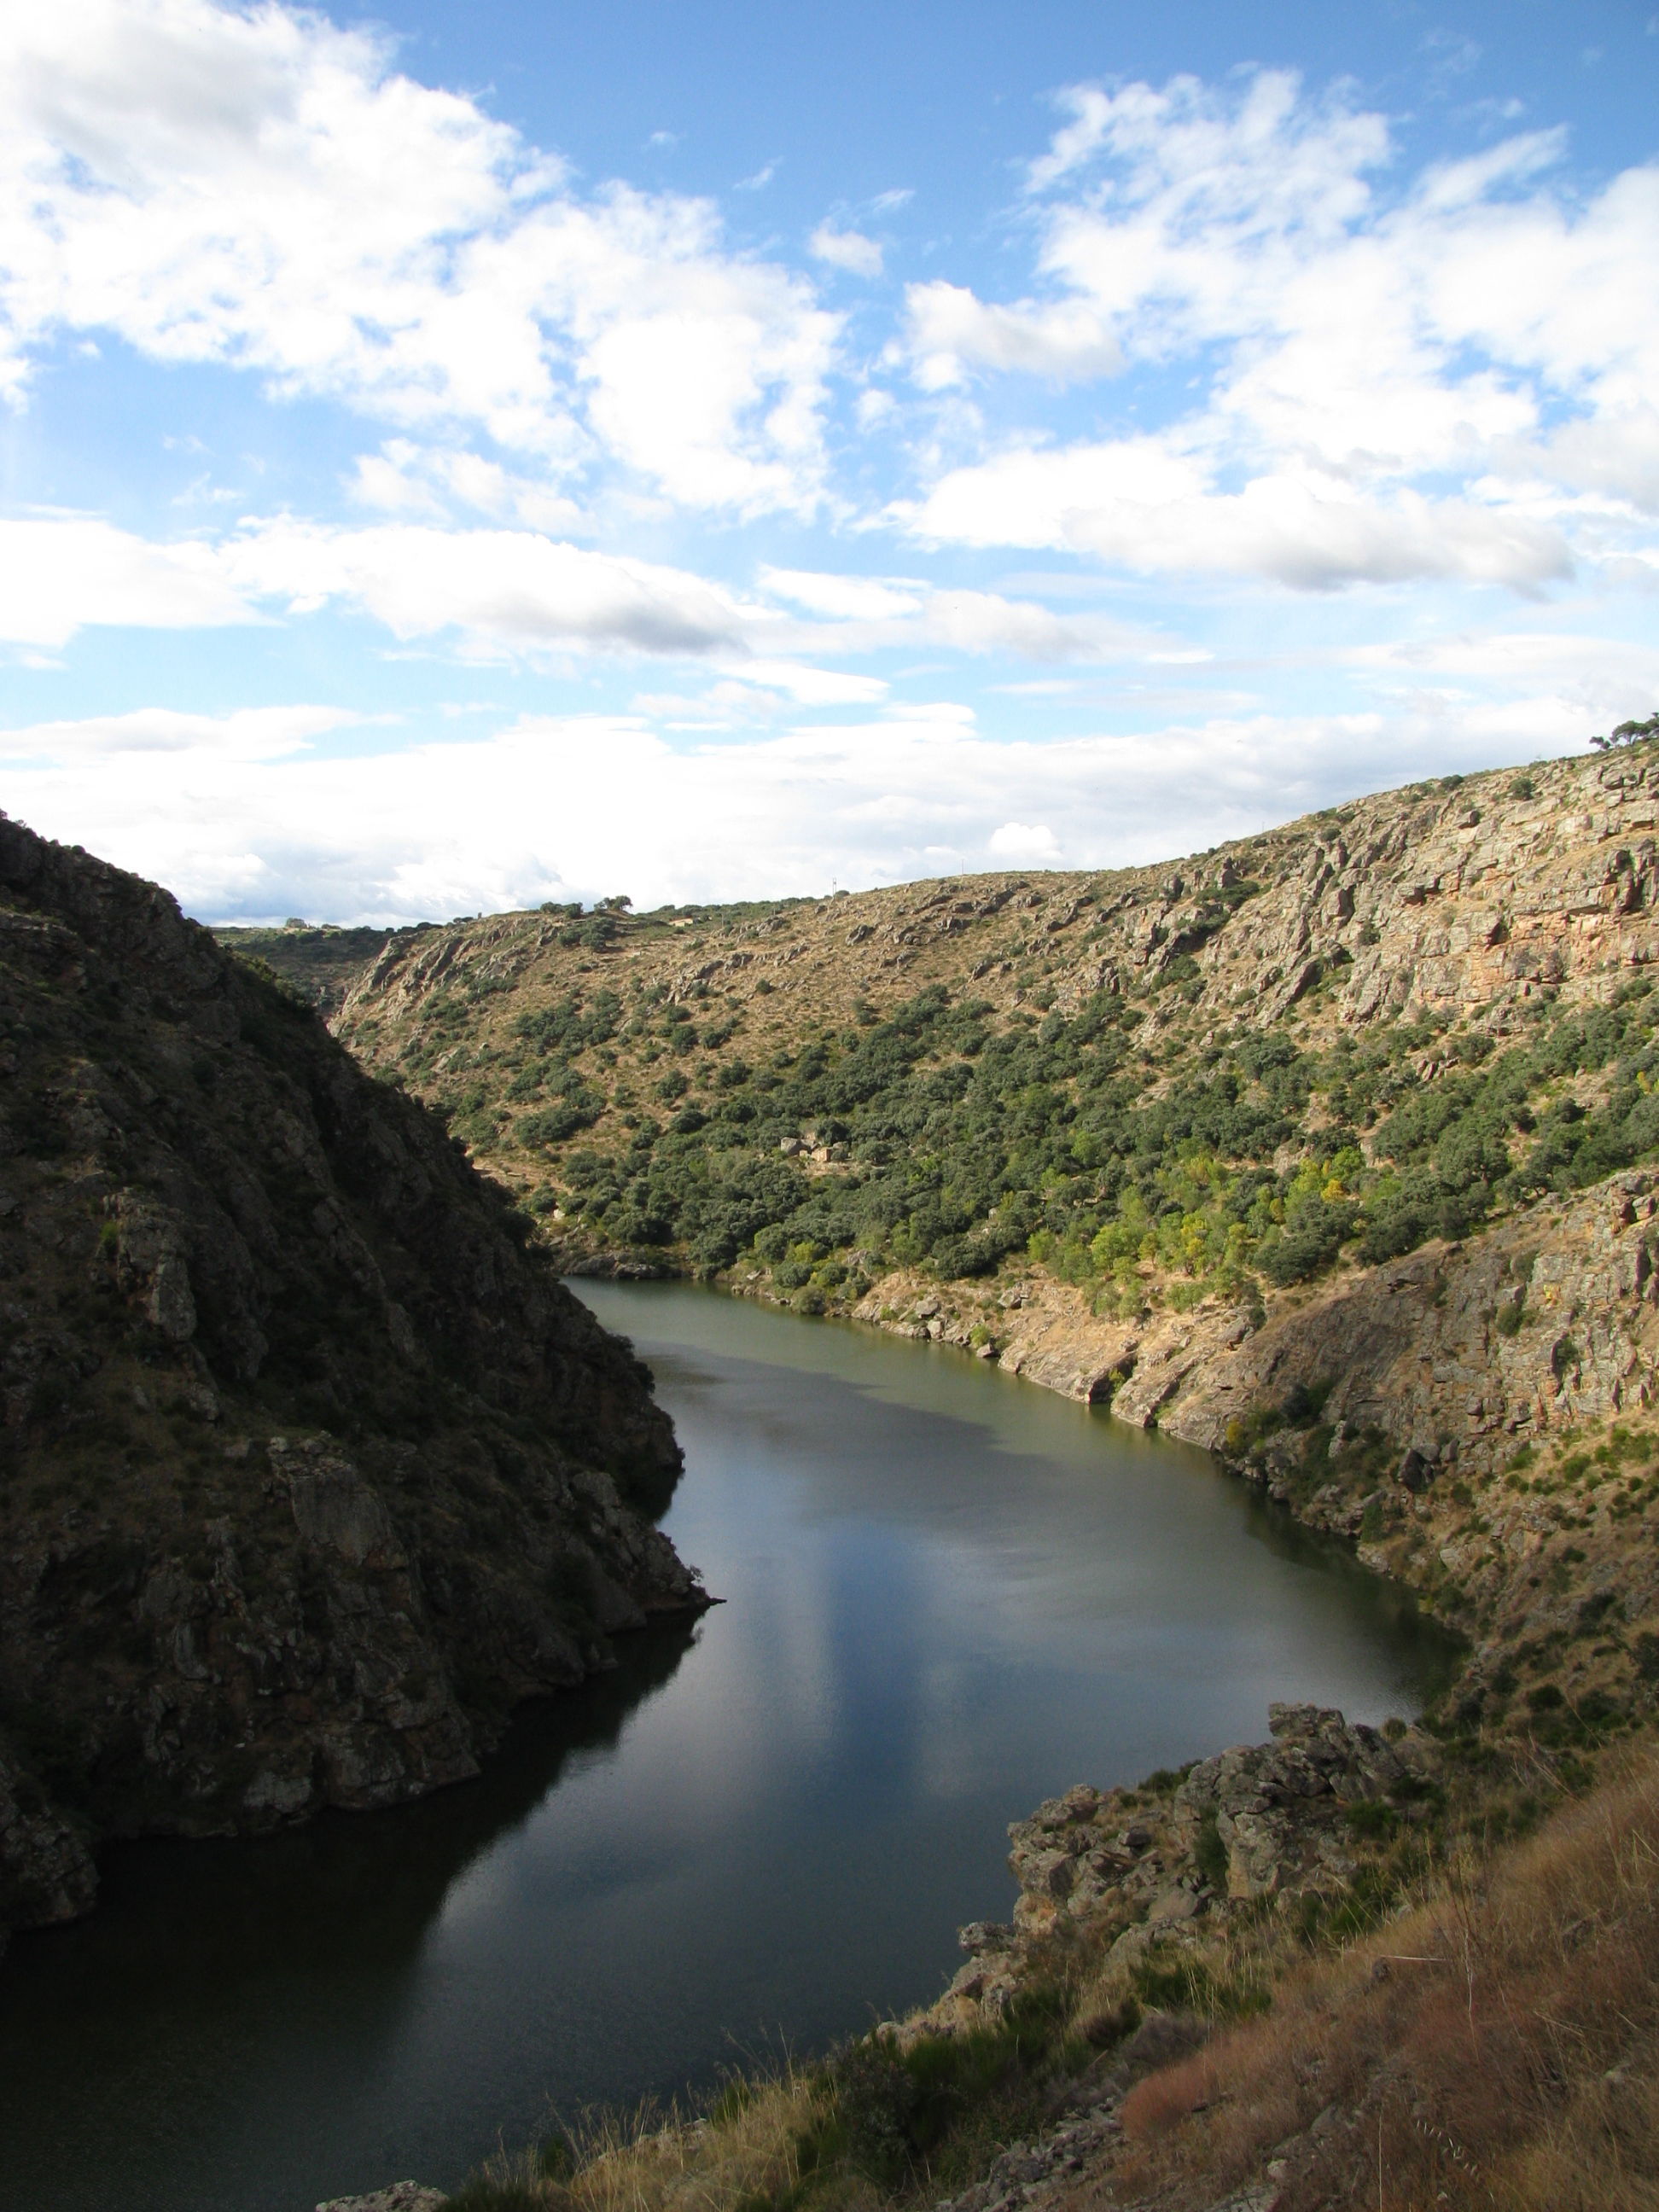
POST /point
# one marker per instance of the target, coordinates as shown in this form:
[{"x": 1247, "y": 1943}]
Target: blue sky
[{"x": 471, "y": 455}]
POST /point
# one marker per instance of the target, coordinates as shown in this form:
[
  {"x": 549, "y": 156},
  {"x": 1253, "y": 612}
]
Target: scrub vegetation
[{"x": 1109, "y": 1076}]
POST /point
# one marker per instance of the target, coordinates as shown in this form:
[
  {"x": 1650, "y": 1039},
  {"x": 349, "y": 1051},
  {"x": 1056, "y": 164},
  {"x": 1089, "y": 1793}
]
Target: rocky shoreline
[{"x": 1166, "y": 1860}]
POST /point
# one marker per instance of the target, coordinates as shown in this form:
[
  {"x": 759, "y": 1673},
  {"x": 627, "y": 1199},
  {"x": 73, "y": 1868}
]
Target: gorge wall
[{"x": 310, "y": 1468}]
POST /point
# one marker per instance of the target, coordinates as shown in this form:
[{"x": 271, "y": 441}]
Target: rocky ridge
[
  {"x": 311, "y": 1468},
  {"x": 1475, "y": 896},
  {"x": 1468, "y": 909}
]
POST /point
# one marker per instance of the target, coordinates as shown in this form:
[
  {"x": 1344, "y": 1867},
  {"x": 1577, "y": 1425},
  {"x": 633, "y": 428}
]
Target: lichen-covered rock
[
  {"x": 399, "y": 2196},
  {"x": 1141, "y": 1862},
  {"x": 310, "y": 1468}
]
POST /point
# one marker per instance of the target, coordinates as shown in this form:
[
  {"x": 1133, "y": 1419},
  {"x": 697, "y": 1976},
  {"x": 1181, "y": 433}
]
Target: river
[{"x": 949, "y": 1595}]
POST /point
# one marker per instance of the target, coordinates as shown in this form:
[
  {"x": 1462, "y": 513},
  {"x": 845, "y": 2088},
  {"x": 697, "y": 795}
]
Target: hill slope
[
  {"x": 1343, "y": 1038},
  {"x": 310, "y": 1468}
]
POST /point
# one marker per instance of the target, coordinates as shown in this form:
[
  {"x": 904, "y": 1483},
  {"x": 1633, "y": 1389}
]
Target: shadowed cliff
[{"x": 311, "y": 1469}]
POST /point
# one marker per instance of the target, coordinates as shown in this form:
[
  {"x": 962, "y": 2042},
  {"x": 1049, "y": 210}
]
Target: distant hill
[
  {"x": 310, "y": 1468},
  {"x": 321, "y": 962},
  {"x": 1216, "y": 1077}
]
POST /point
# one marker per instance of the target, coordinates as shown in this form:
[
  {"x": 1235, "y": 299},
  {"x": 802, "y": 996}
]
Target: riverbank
[
  {"x": 1475, "y": 1417},
  {"x": 1247, "y": 1984},
  {"x": 1340, "y": 1968},
  {"x": 1299, "y": 1918}
]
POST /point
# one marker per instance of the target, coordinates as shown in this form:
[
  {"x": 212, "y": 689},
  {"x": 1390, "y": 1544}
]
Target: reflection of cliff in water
[
  {"x": 350, "y": 1891},
  {"x": 1388, "y": 1608}
]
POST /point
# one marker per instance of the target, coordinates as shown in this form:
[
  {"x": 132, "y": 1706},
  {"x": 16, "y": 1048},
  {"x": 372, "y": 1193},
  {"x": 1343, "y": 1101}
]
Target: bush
[{"x": 1315, "y": 1231}]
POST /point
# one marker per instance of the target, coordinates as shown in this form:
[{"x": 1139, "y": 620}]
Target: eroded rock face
[
  {"x": 1265, "y": 1821},
  {"x": 1547, "y": 1320},
  {"x": 310, "y": 1468}
]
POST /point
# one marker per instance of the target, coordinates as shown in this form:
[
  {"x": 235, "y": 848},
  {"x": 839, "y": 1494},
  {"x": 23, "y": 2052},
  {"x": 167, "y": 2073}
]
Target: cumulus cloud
[
  {"x": 846, "y": 249},
  {"x": 1399, "y": 376},
  {"x": 258, "y": 188},
  {"x": 59, "y": 574}
]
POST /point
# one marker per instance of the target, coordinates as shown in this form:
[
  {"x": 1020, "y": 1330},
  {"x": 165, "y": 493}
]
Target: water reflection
[{"x": 950, "y": 1594}]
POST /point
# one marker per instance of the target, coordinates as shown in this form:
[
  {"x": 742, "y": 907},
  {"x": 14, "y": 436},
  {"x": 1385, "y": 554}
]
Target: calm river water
[{"x": 950, "y": 1594}]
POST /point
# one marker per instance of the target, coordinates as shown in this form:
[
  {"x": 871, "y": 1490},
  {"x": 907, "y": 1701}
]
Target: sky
[{"x": 474, "y": 454}]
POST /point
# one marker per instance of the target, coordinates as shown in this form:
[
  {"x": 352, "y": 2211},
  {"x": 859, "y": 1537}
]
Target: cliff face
[
  {"x": 310, "y": 1468},
  {"x": 1483, "y": 895}
]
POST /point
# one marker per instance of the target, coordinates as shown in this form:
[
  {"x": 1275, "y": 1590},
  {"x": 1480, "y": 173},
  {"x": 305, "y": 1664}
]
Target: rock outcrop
[
  {"x": 310, "y": 1467},
  {"x": 1270, "y": 1821},
  {"x": 1457, "y": 1351}
]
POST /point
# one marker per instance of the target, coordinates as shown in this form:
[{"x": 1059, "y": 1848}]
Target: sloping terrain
[
  {"x": 310, "y": 1468},
  {"x": 321, "y": 962},
  {"x": 1336, "y": 1040}
]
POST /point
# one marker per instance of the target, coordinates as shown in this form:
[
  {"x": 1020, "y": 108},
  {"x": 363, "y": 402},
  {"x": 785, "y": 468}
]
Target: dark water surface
[{"x": 951, "y": 1594}]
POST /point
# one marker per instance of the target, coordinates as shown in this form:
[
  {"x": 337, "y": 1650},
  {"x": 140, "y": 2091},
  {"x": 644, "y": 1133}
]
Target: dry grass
[
  {"x": 1497, "y": 2044},
  {"x": 1166, "y": 2099},
  {"x": 659, "y": 2161}
]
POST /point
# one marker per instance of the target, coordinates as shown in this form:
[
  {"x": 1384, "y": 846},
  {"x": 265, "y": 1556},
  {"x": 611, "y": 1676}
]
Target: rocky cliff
[
  {"x": 311, "y": 1468},
  {"x": 1264, "y": 1082},
  {"x": 1145, "y": 1867}
]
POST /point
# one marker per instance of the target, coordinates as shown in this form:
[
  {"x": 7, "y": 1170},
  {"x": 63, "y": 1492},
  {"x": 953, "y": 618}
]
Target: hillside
[
  {"x": 321, "y": 962},
  {"x": 310, "y": 1468},
  {"x": 1325, "y": 1045},
  {"x": 1214, "y": 1079}
]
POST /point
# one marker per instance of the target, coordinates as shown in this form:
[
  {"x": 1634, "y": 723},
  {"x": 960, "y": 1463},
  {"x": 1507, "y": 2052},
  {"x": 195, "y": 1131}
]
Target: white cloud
[
  {"x": 253, "y": 733},
  {"x": 515, "y": 593},
  {"x": 1414, "y": 382},
  {"x": 260, "y": 189},
  {"x": 1533, "y": 686},
  {"x": 263, "y": 819},
  {"x": 59, "y": 574},
  {"x": 951, "y": 331},
  {"x": 1033, "y": 842},
  {"x": 853, "y": 598},
  {"x": 406, "y": 478},
  {"x": 1142, "y": 503},
  {"x": 846, "y": 249},
  {"x": 812, "y": 687},
  {"x": 505, "y": 588},
  {"x": 499, "y": 591}
]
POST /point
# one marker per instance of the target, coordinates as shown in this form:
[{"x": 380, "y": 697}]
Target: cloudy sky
[{"x": 478, "y": 454}]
